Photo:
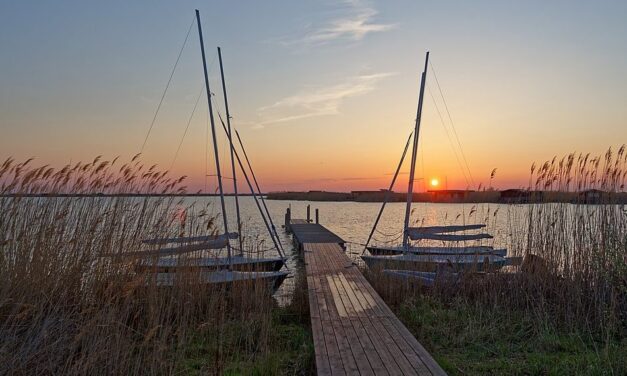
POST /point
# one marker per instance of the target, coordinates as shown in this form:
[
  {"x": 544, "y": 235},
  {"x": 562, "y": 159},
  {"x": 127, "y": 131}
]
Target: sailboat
[
  {"x": 435, "y": 263},
  {"x": 438, "y": 250},
  {"x": 430, "y": 259},
  {"x": 227, "y": 278},
  {"x": 174, "y": 258},
  {"x": 215, "y": 270}
]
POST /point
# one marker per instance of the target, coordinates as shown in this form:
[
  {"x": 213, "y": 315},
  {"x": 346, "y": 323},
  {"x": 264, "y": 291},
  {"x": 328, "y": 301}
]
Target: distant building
[
  {"x": 370, "y": 195},
  {"x": 515, "y": 196},
  {"x": 449, "y": 195},
  {"x": 591, "y": 196}
]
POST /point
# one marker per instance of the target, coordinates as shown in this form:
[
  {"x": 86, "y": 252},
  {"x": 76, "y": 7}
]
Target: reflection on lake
[{"x": 353, "y": 221}]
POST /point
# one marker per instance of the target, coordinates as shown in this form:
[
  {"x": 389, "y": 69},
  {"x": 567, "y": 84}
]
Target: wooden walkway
[
  {"x": 354, "y": 331},
  {"x": 305, "y": 232}
]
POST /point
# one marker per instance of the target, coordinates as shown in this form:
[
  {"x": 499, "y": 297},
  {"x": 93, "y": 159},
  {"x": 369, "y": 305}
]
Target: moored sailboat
[
  {"x": 430, "y": 258},
  {"x": 219, "y": 270},
  {"x": 432, "y": 263},
  {"x": 437, "y": 250},
  {"x": 222, "y": 278}
]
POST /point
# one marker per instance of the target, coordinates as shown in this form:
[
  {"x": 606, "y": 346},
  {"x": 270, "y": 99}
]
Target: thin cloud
[
  {"x": 318, "y": 101},
  {"x": 354, "y": 24}
]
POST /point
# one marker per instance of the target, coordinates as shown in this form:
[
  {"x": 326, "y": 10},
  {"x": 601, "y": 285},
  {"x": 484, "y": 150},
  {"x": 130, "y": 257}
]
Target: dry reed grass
[
  {"x": 578, "y": 282},
  {"x": 66, "y": 310}
]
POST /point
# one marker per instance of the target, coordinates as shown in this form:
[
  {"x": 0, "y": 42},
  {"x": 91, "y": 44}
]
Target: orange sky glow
[{"x": 319, "y": 107}]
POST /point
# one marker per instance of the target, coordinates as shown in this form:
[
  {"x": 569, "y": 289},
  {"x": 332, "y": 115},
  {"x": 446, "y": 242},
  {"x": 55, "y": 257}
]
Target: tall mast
[
  {"x": 215, "y": 142},
  {"x": 252, "y": 191},
  {"x": 230, "y": 136},
  {"x": 388, "y": 193},
  {"x": 252, "y": 172},
  {"x": 410, "y": 188}
]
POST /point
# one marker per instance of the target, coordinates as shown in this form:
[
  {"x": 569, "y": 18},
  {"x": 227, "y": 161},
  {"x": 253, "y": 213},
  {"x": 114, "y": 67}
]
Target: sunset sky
[{"x": 324, "y": 93}]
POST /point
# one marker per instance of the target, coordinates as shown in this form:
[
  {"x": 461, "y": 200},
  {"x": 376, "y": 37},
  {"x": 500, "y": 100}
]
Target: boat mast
[
  {"x": 229, "y": 134},
  {"x": 252, "y": 191},
  {"x": 386, "y": 198},
  {"x": 215, "y": 143},
  {"x": 263, "y": 201},
  {"x": 410, "y": 188}
]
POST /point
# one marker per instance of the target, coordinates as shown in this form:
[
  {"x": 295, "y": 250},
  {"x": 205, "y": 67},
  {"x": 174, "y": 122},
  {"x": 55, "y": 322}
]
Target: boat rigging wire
[
  {"x": 451, "y": 121},
  {"x": 388, "y": 234},
  {"x": 178, "y": 58},
  {"x": 187, "y": 127},
  {"x": 252, "y": 191},
  {"x": 448, "y": 136},
  {"x": 388, "y": 192}
]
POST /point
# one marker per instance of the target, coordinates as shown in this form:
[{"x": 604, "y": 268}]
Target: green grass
[
  {"x": 470, "y": 340},
  {"x": 287, "y": 348}
]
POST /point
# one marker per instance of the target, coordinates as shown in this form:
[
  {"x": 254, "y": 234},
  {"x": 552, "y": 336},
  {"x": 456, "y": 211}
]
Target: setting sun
[{"x": 435, "y": 182}]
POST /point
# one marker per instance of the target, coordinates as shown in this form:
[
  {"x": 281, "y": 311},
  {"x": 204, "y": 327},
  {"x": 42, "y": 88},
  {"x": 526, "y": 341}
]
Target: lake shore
[{"x": 455, "y": 196}]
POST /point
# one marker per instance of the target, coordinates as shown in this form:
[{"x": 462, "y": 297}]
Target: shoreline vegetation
[
  {"x": 72, "y": 301},
  {"x": 99, "y": 194},
  {"x": 509, "y": 196},
  {"x": 66, "y": 309}
]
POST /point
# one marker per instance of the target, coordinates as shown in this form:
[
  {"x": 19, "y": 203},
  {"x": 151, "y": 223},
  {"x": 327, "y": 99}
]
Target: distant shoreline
[
  {"x": 511, "y": 196},
  {"x": 122, "y": 194}
]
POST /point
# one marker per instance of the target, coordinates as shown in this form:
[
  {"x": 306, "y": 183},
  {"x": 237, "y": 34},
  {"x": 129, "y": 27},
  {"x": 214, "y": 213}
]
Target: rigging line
[
  {"x": 252, "y": 190},
  {"x": 215, "y": 56},
  {"x": 206, "y": 147},
  {"x": 216, "y": 105},
  {"x": 189, "y": 121},
  {"x": 452, "y": 124},
  {"x": 389, "y": 191},
  {"x": 178, "y": 58},
  {"x": 272, "y": 229},
  {"x": 421, "y": 146},
  {"x": 227, "y": 144},
  {"x": 389, "y": 234},
  {"x": 448, "y": 136},
  {"x": 252, "y": 172}
]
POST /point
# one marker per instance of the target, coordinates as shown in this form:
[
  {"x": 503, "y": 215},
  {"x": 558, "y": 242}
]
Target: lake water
[{"x": 352, "y": 221}]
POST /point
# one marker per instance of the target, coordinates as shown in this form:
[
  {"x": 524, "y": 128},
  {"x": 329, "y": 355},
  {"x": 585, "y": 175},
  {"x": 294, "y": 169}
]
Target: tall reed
[
  {"x": 574, "y": 275},
  {"x": 67, "y": 309}
]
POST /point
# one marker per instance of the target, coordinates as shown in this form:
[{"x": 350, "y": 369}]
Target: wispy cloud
[
  {"x": 317, "y": 101},
  {"x": 357, "y": 19}
]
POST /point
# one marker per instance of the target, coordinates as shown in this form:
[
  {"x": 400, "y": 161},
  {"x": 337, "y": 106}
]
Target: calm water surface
[{"x": 353, "y": 221}]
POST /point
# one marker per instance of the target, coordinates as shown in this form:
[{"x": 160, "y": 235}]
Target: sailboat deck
[{"x": 354, "y": 331}]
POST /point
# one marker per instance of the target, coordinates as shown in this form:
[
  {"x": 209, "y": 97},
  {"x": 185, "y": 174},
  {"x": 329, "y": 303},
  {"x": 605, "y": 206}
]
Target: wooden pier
[{"x": 354, "y": 331}]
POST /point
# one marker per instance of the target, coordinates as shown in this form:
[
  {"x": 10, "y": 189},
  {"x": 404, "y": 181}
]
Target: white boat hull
[
  {"x": 434, "y": 263},
  {"x": 271, "y": 280},
  {"x": 164, "y": 265},
  {"x": 472, "y": 250}
]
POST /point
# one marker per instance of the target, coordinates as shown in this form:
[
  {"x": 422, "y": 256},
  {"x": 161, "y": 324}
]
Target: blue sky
[{"x": 329, "y": 86}]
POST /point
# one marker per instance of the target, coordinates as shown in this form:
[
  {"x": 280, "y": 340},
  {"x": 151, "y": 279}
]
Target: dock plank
[
  {"x": 355, "y": 332},
  {"x": 313, "y": 233}
]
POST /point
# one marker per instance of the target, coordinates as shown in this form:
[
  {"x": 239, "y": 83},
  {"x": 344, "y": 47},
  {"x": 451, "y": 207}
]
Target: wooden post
[
  {"x": 317, "y": 216},
  {"x": 308, "y": 213},
  {"x": 288, "y": 220}
]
